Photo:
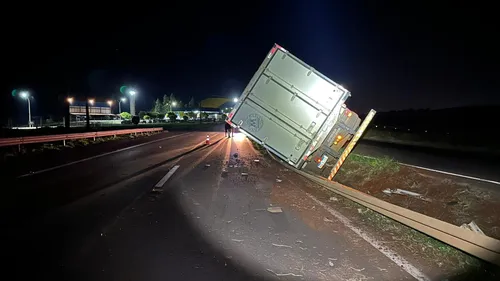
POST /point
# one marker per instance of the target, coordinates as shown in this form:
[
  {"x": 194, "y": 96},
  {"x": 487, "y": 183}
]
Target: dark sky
[{"x": 390, "y": 55}]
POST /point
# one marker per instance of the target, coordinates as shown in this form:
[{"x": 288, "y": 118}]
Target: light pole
[
  {"x": 120, "y": 104},
  {"x": 132, "y": 94},
  {"x": 110, "y": 103},
  {"x": 235, "y": 100},
  {"x": 26, "y": 95}
]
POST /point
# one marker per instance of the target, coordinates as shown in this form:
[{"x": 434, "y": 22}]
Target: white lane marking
[
  {"x": 397, "y": 259},
  {"x": 442, "y": 172},
  {"x": 452, "y": 174},
  {"x": 100, "y": 155},
  {"x": 167, "y": 176}
]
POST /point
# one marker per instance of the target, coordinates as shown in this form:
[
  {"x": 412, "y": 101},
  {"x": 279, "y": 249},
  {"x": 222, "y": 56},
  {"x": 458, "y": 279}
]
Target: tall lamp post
[
  {"x": 132, "y": 94},
  {"x": 26, "y": 95},
  {"x": 120, "y": 104}
]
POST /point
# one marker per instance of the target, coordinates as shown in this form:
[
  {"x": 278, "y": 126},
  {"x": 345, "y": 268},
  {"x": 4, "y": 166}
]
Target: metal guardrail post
[{"x": 352, "y": 143}]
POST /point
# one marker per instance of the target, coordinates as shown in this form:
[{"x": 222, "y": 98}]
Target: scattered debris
[
  {"x": 157, "y": 190},
  {"x": 406, "y": 193},
  {"x": 274, "y": 210},
  {"x": 361, "y": 210},
  {"x": 196, "y": 204},
  {"x": 299, "y": 241},
  {"x": 358, "y": 270},
  {"x": 284, "y": 274},
  {"x": 381, "y": 269},
  {"x": 237, "y": 240},
  {"x": 472, "y": 226},
  {"x": 256, "y": 160},
  {"x": 159, "y": 146},
  {"x": 333, "y": 199},
  {"x": 303, "y": 248},
  {"x": 279, "y": 180},
  {"x": 230, "y": 166},
  {"x": 330, "y": 263},
  {"x": 332, "y": 259},
  {"x": 325, "y": 219},
  {"x": 279, "y": 245},
  {"x": 244, "y": 174},
  {"x": 207, "y": 165}
]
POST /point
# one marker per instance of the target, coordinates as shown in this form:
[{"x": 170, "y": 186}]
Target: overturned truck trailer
[{"x": 295, "y": 112}]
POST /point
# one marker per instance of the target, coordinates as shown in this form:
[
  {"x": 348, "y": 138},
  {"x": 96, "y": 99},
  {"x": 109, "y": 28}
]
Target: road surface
[
  {"x": 114, "y": 218},
  {"x": 469, "y": 164}
]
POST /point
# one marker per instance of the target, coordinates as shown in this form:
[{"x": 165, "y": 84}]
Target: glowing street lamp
[
  {"x": 26, "y": 95},
  {"x": 235, "y": 100},
  {"x": 69, "y": 100},
  {"x": 91, "y": 101},
  {"x": 132, "y": 94},
  {"x": 110, "y": 103},
  {"x": 120, "y": 104},
  {"x": 172, "y": 104}
]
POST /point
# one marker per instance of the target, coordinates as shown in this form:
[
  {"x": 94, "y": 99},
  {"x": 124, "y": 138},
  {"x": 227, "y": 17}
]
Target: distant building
[
  {"x": 212, "y": 113},
  {"x": 98, "y": 111}
]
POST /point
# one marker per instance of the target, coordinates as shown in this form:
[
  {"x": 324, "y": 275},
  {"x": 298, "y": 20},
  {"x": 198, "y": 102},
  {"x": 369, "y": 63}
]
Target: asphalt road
[
  {"x": 469, "y": 164},
  {"x": 101, "y": 220}
]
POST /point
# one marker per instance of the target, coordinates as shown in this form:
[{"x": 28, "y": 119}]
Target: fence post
[{"x": 64, "y": 142}]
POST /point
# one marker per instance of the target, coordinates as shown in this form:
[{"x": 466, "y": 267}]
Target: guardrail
[
  {"x": 481, "y": 246},
  {"x": 64, "y": 137}
]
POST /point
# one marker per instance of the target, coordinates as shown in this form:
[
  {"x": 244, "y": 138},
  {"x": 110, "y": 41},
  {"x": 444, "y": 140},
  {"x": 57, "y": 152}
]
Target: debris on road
[
  {"x": 274, "y": 210},
  {"x": 358, "y": 270},
  {"x": 330, "y": 263},
  {"x": 159, "y": 146},
  {"x": 406, "y": 193},
  {"x": 279, "y": 180},
  {"x": 284, "y": 274},
  {"x": 283, "y": 246},
  {"x": 237, "y": 240},
  {"x": 361, "y": 211},
  {"x": 333, "y": 199},
  {"x": 244, "y": 174},
  {"x": 256, "y": 160},
  {"x": 472, "y": 226},
  {"x": 325, "y": 219},
  {"x": 207, "y": 165}
]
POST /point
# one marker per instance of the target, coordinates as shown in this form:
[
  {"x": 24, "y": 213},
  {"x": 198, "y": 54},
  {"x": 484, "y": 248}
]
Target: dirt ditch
[{"x": 443, "y": 197}]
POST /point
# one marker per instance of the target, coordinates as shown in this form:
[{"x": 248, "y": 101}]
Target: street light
[
  {"x": 132, "y": 94},
  {"x": 69, "y": 100},
  {"x": 26, "y": 95},
  {"x": 172, "y": 104},
  {"x": 120, "y": 104},
  {"x": 110, "y": 103},
  {"x": 235, "y": 100},
  {"x": 91, "y": 101}
]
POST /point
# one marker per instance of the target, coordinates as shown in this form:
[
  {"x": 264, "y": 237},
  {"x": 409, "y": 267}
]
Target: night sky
[{"x": 389, "y": 55}]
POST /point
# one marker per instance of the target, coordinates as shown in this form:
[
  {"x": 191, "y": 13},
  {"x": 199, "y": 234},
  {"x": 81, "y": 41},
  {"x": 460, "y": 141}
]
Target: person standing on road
[{"x": 228, "y": 130}]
